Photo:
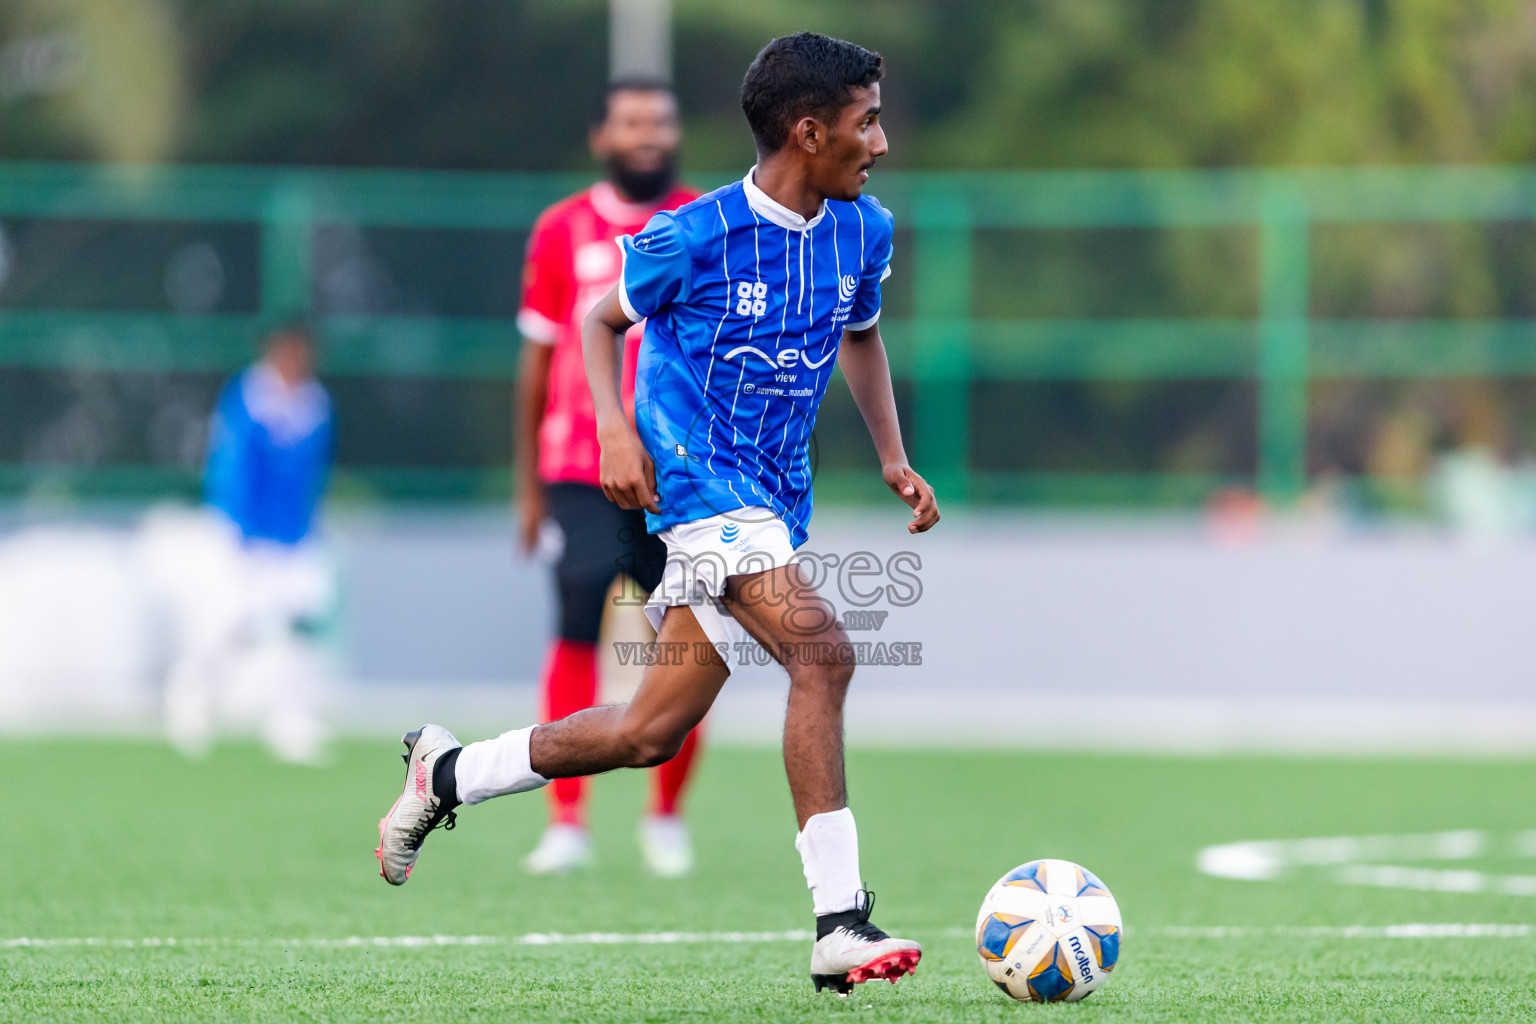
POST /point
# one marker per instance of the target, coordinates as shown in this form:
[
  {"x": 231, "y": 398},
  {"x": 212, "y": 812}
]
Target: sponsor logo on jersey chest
[
  {"x": 751, "y": 299},
  {"x": 784, "y": 359}
]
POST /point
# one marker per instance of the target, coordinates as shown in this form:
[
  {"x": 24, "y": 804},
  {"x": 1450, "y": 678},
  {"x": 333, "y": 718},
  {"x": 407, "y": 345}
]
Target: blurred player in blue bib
[
  {"x": 750, "y": 295},
  {"x": 270, "y": 444},
  {"x": 249, "y": 655}
]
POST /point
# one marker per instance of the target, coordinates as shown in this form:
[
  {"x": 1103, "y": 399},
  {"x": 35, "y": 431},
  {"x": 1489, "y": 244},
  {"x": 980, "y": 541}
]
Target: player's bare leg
[
  {"x": 440, "y": 774},
  {"x": 651, "y": 728},
  {"x": 783, "y": 613}
]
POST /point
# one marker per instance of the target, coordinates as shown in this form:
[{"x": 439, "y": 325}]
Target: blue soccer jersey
[
  {"x": 745, "y": 304},
  {"x": 269, "y": 452}
]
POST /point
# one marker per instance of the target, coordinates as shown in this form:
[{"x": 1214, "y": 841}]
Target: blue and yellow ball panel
[
  {"x": 1026, "y": 876},
  {"x": 999, "y": 933},
  {"x": 1088, "y": 883},
  {"x": 1105, "y": 941},
  {"x": 1052, "y": 979}
]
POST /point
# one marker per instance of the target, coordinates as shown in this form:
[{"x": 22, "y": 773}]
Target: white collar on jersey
[
  {"x": 612, "y": 208},
  {"x": 290, "y": 414},
  {"x": 765, "y": 206}
]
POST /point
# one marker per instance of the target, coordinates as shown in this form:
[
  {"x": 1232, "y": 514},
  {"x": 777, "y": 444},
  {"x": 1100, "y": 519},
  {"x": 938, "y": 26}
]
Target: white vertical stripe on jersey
[
  {"x": 804, "y": 337},
  {"x": 749, "y": 485},
  {"x": 757, "y": 271},
  {"x": 835, "y": 337},
  {"x": 800, "y": 301},
  {"x": 783, "y": 327},
  {"x": 725, "y": 263},
  {"x": 802, "y": 440},
  {"x": 837, "y": 265},
  {"x": 811, "y": 316},
  {"x": 837, "y": 261}
]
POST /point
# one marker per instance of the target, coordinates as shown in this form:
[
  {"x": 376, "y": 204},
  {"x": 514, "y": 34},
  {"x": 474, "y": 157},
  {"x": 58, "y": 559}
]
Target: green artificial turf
[{"x": 236, "y": 856}]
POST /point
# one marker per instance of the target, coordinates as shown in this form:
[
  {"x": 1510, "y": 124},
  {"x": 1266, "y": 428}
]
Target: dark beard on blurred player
[{"x": 642, "y": 186}]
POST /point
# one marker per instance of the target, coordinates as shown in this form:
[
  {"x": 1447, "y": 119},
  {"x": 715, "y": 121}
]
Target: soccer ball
[{"x": 1048, "y": 931}]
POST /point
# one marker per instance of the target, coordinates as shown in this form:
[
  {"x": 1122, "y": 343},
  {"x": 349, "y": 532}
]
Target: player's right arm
[
  {"x": 227, "y": 475},
  {"x": 548, "y": 292},
  {"x": 624, "y": 469},
  {"x": 658, "y": 271},
  {"x": 532, "y": 396}
]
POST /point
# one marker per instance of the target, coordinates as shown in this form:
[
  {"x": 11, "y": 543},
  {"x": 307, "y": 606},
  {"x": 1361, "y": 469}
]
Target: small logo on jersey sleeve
[
  {"x": 847, "y": 287},
  {"x": 751, "y": 299}
]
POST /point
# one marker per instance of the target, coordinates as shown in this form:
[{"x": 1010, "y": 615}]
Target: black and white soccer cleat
[{"x": 850, "y": 950}]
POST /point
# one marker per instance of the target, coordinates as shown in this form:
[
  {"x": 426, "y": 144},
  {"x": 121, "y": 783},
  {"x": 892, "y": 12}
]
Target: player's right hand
[
  {"x": 530, "y": 518},
  {"x": 625, "y": 470}
]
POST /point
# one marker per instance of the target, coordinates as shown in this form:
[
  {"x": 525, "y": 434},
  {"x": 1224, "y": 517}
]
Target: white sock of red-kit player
[
  {"x": 829, "y": 850},
  {"x": 496, "y": 767}
]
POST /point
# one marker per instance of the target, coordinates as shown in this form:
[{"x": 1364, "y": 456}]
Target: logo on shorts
[
  {"x": 729, "y": 532},
  {"x": 683, "y": 453}
]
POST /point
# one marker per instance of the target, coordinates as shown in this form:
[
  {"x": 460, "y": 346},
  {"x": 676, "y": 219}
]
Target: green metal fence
[{"x": 940, "y": 348}]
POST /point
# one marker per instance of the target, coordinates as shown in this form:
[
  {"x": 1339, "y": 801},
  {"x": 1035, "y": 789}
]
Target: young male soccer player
[
  {"x": 750, "y": 294},
  {"x": 572, "y": 263}
]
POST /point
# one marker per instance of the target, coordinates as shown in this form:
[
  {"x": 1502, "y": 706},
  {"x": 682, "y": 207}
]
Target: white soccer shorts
[{"x": 701, "y": 554}]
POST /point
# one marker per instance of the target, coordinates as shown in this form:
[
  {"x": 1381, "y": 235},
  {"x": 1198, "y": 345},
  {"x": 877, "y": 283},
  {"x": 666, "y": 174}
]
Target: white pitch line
[
  {"x": 427, "y": 941},
  {"x": 1389, "y": 931},
  {"x": 1353, "y": 931},
  {"x": 1357, "y": 860}
]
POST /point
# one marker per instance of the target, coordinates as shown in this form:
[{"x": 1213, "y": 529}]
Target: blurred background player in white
[
  {"x": 574, "y": 260},
  {"x": 247, "y": 623}
]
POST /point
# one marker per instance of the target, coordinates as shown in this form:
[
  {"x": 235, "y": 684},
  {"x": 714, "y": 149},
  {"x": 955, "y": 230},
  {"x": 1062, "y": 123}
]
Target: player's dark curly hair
[
  {"x": 802, "y": 74},
  {"x": 602, "y": 106}
]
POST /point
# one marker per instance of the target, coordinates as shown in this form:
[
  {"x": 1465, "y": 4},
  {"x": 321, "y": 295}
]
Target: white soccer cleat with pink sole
[{"x": 420, "y": 809}]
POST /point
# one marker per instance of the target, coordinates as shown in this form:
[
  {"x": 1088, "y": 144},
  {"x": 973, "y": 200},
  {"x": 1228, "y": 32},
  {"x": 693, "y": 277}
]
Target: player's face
[
  {"x": 293, "y": 359},
  {"x": 853, "y": 146},
  {"x": 639, "y": 139}
]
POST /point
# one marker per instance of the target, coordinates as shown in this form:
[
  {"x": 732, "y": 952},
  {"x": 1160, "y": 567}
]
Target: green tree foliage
[
  {"x": 472, "y": 84},
  {"x": 1213, "y": 83},
  {"x": 974, "y": 83}
]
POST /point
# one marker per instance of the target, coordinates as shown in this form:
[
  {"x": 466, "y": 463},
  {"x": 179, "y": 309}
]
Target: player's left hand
[{"x": 916, "y": 492}]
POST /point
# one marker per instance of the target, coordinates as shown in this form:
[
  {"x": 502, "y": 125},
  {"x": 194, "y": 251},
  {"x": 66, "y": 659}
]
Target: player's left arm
[{"x": 868, "y": 372}]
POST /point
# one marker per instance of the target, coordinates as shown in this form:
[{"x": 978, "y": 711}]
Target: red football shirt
[{"x": 572, "y": 263}]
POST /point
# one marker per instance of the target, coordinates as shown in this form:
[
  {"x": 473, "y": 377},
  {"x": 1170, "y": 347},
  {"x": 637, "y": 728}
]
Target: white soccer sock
[
  {"x": 829, "y": 849},
  {"x": 496, "y": 767}
]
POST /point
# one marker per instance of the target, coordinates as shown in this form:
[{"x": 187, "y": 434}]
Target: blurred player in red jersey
[{"x": 574, "y": 260}]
